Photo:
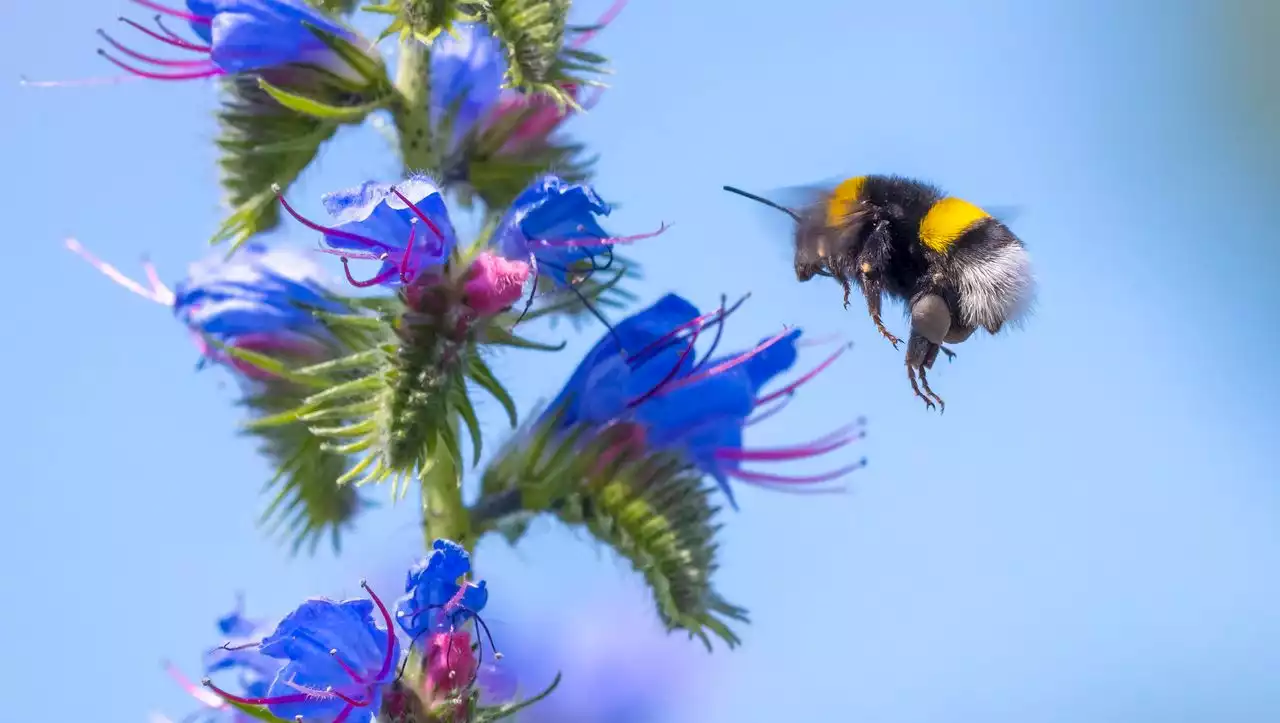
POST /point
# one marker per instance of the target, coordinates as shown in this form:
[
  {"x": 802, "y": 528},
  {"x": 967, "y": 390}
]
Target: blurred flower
[
  {"x": 337, "y": 662},
  {"x": 618, "y": 664},
  {"x": 238, "y": 655},
  {"x": 644, "y": 383},
  {"x": 259, "y": 300},
  {"x": 236, "y": 36},
  {"x": 468, "y": 68},
  {"x": 433, "y": 599},
  {"x": 494, "y": 283},
  {"x": 552, "y": 224},
  {"x": 380, "y": 222}
]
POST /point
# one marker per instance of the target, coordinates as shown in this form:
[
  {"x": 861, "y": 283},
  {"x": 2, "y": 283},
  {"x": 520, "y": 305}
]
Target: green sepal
[
  {"x": 317, "y": 109},
  {"x": 257, "y": 712},
  {"x": 343, "y": 7},
  {"x": 368, "y": 67},
  {"x": 652, "y": 508},
  {"x": 484, "y": 714},
  {"x": 480, "y": 373}
]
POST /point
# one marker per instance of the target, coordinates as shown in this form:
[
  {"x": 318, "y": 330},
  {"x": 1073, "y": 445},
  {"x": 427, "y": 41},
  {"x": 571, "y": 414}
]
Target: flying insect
[{"x": 955, "y": 266}]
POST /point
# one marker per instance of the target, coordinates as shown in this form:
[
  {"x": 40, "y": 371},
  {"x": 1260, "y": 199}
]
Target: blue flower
[
  {"x": 237, "y": 36},
  {"x": 467, "y": 68},
  {"x": 405, "y": 226},
  {"x": 259, "y": 300},
  {"x": 433, "y": 599},
  {"x": 552, "y": 224},
  {"x": 337, "y": 662},
  {"x": 646, "y": 374}
]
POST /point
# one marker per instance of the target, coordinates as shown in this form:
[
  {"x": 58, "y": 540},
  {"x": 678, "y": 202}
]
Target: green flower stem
[
  {"x": 443, "y": 514},
  {"x": 412, "y": 107}
]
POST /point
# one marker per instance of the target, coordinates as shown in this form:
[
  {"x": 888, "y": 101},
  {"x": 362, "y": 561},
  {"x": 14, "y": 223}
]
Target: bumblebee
[{"x": 955, "y": 266}]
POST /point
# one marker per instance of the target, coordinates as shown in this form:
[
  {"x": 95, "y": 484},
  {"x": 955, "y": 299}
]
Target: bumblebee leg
[
  {"x": 929, "y": 359},
  {"x": 921, "y": 353},
  {"x": 950, "y": 354},
  {"x": 911, "y": 377}
]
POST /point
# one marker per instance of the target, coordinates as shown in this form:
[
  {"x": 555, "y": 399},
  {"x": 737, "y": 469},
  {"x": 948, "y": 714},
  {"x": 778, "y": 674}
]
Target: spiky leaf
[{"x": 651, "y": 508}]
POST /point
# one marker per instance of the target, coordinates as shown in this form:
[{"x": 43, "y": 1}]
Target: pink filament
[
  {"x": 418, "y": 213},
  {"x": 697, "y": 322},
  {"x": 726, "y": 365},
  {"x": 158, "y": 293},
  {"x": 391, "y": 630},
  {"x": 816, "y": 448},
  {"x": 353, "y": 256},
  {"x": 209, "y": 73},
  {"x": 343, "y": 664},
  {"x": 148, "y": 58},
  {"x": 604, "y": 21},
  {"x": 385, "y": 275},
  {"x": 808, "y": 376},
  {"x": 165, "y": 28},
  {"x": 196, "y": 691},
  {"x": 404, "y": 260},
  {"x": 768, "y": 413},
  {"x": 190, "y": 17},
  {"x": 684, "y": 355},
  {"x": 580, "y": 242},
  {"x": 326, "y": 230},
  {"x": 766, "y": 477},
  {"x": 168, "y": 39}
]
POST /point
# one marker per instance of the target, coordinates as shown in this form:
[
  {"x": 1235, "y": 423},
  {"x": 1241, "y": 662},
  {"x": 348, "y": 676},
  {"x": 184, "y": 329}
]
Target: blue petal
[
  {"x": 203, "y": 9},
  {"x": 256, "y": 291},
  {"x": 306, "y": 635},
  {"x": 636, "y": 332},
  {"x": 466, "y": 70},
  {"x": 252, "y": 34},
  {"x": 431, "y": 584},
  {"x": 371, "y": 210},
  {"x": 551, "y": 209}
]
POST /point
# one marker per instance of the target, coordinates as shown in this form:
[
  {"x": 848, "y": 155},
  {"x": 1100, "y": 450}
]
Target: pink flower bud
[{"x": 494, "y": 283}]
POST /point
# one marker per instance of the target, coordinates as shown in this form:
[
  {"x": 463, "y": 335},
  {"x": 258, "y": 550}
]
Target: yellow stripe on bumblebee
[
  {"x": 843, "y": 199},
  {"x": 947, "y": 220}
]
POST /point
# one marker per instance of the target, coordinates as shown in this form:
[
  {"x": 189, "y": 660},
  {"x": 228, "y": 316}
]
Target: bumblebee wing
[{"x": 1005, "y": 214}]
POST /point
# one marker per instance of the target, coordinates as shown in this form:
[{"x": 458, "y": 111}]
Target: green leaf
[
  {"x": 462, "y": 403},
  {"x": 318, "y": 109},
  {"x": 483, "y": 376},
  {"x": 492, "y": 713}
]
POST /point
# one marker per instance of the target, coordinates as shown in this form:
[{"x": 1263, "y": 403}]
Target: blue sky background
[{"x": 1090, "y": 534}]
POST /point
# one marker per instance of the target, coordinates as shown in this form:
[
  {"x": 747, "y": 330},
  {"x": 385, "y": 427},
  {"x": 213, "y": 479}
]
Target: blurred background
[{"x": 1089, "y": 534}]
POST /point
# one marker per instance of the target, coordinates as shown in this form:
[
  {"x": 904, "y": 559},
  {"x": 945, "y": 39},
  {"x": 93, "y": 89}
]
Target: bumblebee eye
[{"x": 931, "y": 318}]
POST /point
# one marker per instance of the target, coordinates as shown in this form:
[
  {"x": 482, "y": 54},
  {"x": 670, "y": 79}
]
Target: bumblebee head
[{"x": 810, "y": 237}]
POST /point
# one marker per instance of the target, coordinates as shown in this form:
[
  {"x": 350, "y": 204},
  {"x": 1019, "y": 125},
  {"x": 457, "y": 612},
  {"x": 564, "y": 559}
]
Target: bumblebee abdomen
[
  {"x": 991, "y": 274},
  {"x": 947, "y": 220}
]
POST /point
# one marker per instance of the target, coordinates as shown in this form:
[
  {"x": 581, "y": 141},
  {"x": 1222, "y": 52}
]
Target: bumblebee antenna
[{"x": 765, "y": 201}]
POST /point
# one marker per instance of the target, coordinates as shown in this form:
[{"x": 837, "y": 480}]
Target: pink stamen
[
  {"x": 604, "y": 21},
  {"x": 371, "y": 282},
  {"x": 580, "y": 242},
  {"x": 325, "y": 229},
  {"x": 148, "y": 58},
  {"x": 768, "y": 478},
  {"x": 816, "y": 448},
  {"x": 726, "y": 365},
  {"x": 159, "y": 20},
  {"x": 343, "y": 664},
  {"x": 291, "y": 698},
  {"x": 347, "y": 699},
  {"x": 342, "y": 717},
  {"x": 688, "y": 349},
  {"x": 158, "y": 287},
  {"x": 169, "y": 39},
  {"x": 161, "y": 76},
  {"x": 391, "y": 630},
  {"x": 404, "y": 260},
  {"x": 696, "y": 322},
  {"x": 802, "y": 380},
  {"x": 769, "y": 413},
  {"x": 200, "y": 694},
  {"x": 161, "y": 296},
  {"x": 190, "y": 17},
  {"x": 418, "y": 213}
]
